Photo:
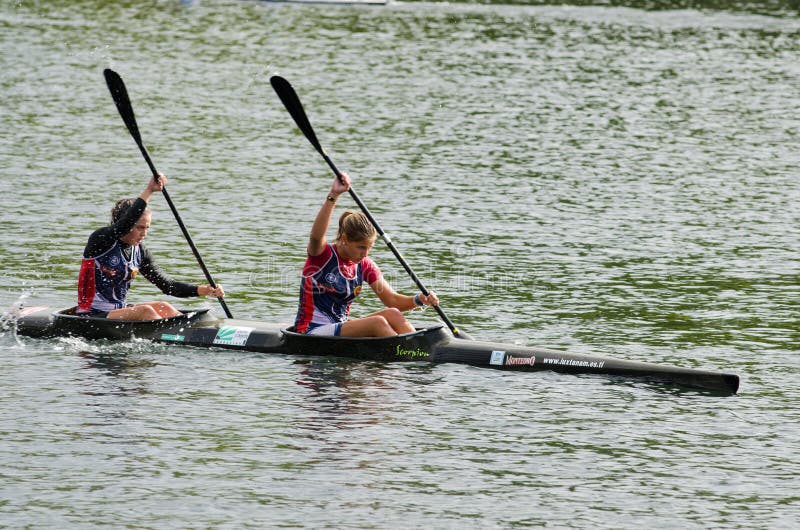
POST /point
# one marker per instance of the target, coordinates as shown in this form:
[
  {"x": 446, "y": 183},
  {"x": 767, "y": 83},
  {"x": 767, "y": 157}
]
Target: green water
[{"x": 605, "y": 179}]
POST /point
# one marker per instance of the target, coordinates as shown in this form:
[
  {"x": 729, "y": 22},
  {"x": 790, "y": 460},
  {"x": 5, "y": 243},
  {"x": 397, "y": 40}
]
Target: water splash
[{"x": 9, "y": 318}]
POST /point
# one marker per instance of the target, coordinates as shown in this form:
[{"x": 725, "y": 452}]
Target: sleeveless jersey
[{"x": 329, "y": 286}]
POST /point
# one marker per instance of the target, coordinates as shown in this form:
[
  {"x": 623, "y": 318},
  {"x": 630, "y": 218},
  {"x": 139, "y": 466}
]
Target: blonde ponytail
[{"x": 355, "y": 227}]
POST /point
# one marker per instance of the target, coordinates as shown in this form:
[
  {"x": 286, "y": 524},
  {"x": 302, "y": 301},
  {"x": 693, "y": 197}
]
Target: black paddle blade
[
  {"x": 120, "y": 95},
  {"x": 292, "y": 103}
]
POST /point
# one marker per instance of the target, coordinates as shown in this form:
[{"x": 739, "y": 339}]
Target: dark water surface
[{"x": 599, "y": 179}]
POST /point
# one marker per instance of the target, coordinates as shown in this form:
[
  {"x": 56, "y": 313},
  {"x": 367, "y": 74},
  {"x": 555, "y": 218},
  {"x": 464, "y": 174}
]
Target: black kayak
[{"x": 432, "y": 344}]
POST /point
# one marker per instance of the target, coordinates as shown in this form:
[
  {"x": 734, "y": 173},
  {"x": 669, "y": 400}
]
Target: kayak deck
[{"x": 432, "y": 344}]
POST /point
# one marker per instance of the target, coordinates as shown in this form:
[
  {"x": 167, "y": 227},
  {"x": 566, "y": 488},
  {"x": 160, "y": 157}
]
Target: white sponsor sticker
[
  {"x": 497, "y": 357},
  {"x": 232, "y": 336}
]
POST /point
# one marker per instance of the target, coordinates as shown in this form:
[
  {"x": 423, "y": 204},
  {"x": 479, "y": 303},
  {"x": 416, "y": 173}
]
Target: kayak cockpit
[
  {"x": 415, "y": 346},
  {"x": 69, "y": 322}
]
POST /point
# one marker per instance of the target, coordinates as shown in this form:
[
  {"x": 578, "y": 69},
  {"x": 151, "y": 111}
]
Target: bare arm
[
  {"x": 392, "y": 298},
  {"x": 316, "y": 240}
]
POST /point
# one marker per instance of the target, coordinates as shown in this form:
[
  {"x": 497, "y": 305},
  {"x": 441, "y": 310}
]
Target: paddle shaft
[
  {"x": 120, "y": 95},
  {"x": 185, "y": 231},
  {"x": 291, "y": 101},
  {"x": 392, "y": 247}
]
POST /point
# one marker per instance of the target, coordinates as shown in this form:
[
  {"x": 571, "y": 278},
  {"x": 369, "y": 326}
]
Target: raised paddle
[
  {"x": 292, "y": 103},
  {"x": 120, "y": 94}
]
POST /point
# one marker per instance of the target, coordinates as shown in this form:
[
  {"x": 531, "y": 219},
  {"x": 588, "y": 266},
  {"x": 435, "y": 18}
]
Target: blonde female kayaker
[
  {"x": 115, "y": 255},
  {"x": 334, "y": 273}
]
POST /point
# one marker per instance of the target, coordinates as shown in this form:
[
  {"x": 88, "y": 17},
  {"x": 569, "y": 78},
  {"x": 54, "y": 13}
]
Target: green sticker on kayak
[
  {"x": 172, "y": 338},
  {"x": 232, "y": 336},
  {"x": 410, "y": 353}
]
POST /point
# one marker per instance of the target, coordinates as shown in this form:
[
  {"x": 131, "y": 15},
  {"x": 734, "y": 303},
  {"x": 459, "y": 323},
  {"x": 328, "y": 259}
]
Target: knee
[
  {"x": 392, "y": 314},
  {"x": 165, "y": 309},
  {"x": 381, "y": 327},
  {"x": 146, "y": 312}
]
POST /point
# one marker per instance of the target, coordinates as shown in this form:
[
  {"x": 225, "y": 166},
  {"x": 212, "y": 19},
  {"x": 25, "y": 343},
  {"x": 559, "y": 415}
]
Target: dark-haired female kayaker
[{"x": 115, "y": 255}]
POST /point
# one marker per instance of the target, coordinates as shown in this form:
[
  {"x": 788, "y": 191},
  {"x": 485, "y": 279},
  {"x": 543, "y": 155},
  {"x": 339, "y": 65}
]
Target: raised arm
[
  {"x": 316, "y": 240},
  {"x": 129, "y": 219},
  {"x": 153, "y": 186}
]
